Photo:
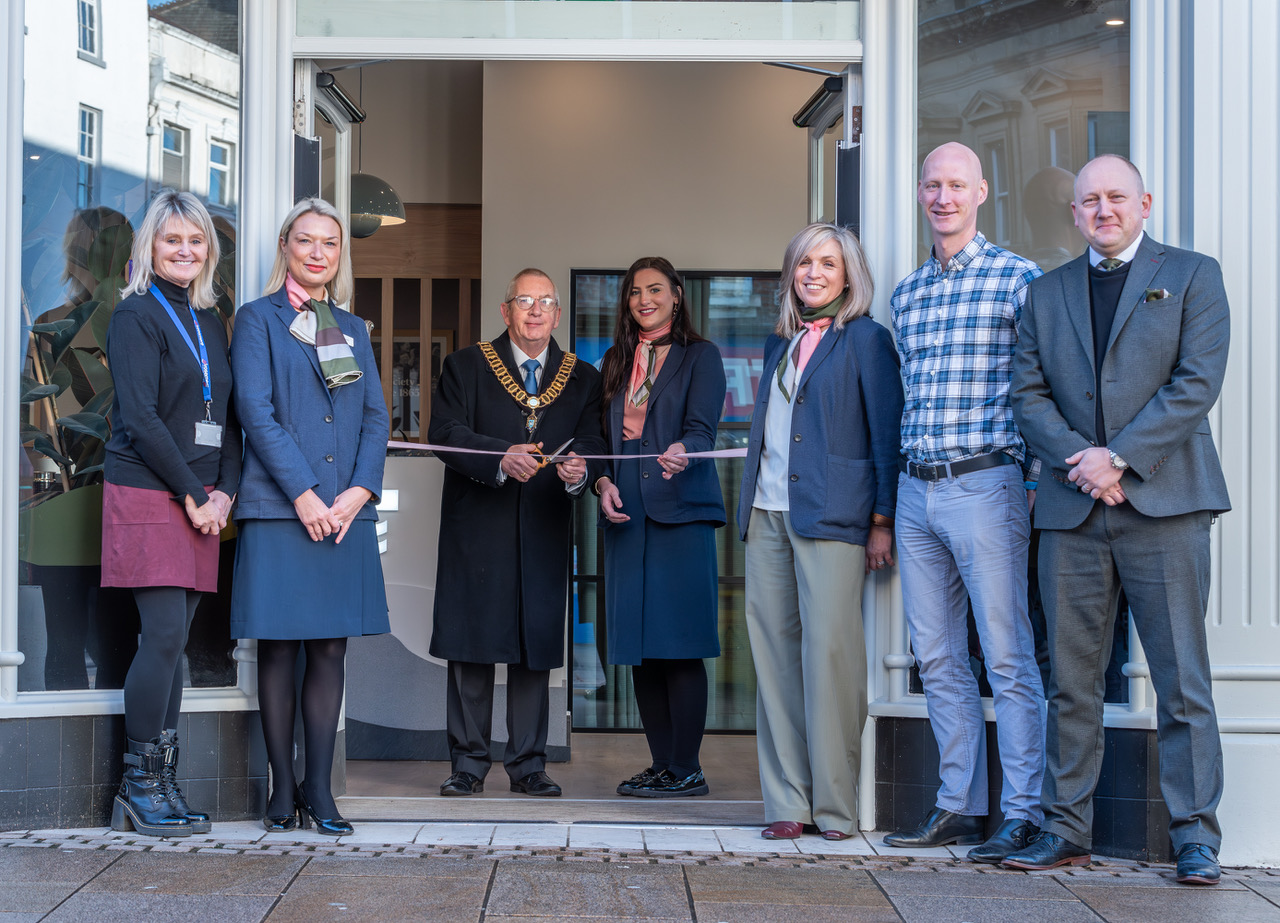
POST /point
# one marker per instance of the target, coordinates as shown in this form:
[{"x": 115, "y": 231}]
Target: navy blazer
[
  {"x": 299, "y": 434},
  {"x": 684, "y": 406},
  {"x": 845, "y": 425}
]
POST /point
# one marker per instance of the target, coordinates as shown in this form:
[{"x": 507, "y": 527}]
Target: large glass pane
[
  {"x": 99, "y": 137},
  {"x": 1036, "y": 89},
  {"x": 736, "y": 311},
  {"x": 655, "y": 20}
]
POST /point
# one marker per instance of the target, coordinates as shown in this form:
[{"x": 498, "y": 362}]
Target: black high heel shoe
[
  {"x": 281, "y": 823},
  {"x": 327, "y": 826}
]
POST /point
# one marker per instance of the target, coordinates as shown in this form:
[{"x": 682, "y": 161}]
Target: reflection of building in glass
[{"x": 1027, "y": 86}]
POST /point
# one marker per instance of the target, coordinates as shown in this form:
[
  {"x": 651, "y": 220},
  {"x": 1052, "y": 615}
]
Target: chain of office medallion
[{"x": 523, "y": 398}]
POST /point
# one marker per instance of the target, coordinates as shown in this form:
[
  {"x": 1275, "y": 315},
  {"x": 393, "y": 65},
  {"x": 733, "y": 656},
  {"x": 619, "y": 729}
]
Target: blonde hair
[
  {"x": 859, "y": 288},
  {"x": 167, "y": 205},
  {"x": 342, "y": 285}
]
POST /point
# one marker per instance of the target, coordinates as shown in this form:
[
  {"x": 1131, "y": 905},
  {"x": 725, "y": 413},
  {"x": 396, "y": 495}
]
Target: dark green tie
[{"x": 1110, "y": 263}]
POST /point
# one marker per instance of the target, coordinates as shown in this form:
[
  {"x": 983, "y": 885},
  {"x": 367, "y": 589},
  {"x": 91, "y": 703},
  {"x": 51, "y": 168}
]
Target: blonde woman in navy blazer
[
  {"x": 818, "y": 494},
  {"x": 664, "y": 390},
  {"x": 307, "y": 569}
]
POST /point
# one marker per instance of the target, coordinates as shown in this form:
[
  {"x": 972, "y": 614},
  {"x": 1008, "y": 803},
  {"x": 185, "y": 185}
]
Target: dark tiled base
[
  {"x": 63, "y": 772},
  {"x": 1130, "y": 818}
]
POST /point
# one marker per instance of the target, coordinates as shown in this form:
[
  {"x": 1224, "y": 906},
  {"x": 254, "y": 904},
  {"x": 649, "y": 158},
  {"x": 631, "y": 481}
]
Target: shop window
[
  {"x": 736, "y": 311},
  {"x": 174, "y": 157},
  {"x": 84, "y": 193},
  {"x": 87, "y": 146},
  {"x": 1035, "y": 89}
]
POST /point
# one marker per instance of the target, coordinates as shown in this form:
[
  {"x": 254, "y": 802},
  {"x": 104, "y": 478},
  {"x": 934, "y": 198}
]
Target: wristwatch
[{"x": 1117, "y": 462}]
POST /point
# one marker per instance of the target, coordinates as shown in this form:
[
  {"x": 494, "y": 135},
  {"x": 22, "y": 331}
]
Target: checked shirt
[{"x": 956, "y": 328}]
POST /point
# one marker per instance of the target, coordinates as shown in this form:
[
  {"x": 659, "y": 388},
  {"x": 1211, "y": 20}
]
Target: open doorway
[{"x": 577, "y": 168}]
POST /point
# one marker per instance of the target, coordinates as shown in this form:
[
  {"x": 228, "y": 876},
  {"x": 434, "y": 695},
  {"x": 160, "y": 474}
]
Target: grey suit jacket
[{"x": 1161, "y": 373}]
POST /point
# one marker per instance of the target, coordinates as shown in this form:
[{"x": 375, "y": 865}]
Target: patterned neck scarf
[
  {"x": 316, "y": 326},
  {"x": 646, "y": 357},
  {"x": 815, "y": 321}
]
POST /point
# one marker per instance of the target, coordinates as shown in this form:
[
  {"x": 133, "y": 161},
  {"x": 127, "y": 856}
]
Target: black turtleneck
[
  {"x": 159, "y": 396},
  {"x": 1104, "y": 296}
]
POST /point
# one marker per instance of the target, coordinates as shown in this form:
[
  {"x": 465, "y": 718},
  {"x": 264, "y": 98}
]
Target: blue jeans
[{"x": 967, "y": 537}]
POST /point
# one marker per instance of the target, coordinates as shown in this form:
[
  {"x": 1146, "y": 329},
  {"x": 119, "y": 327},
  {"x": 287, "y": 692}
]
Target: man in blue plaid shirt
[{"x": 963, "y": 519}]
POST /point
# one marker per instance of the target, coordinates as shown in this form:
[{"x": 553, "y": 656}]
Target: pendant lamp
[{"x": 373, "y": 204}]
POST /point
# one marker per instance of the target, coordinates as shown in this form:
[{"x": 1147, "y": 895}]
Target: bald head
[
  {"x": 1111, "y": 160},
  {"x": 951, "y": 189}
]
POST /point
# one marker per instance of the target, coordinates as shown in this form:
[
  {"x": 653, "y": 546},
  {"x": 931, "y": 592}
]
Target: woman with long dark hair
[
  {"x": 307, "y": 569},
  {"x": 664, "y": 390},
  {"x": 171, "y": 470}
]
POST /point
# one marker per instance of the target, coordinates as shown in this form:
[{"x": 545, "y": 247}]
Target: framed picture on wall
[{"x": 441, "y": 346}]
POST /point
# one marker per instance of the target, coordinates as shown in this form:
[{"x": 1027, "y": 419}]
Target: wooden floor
[{"x": 410, "y": 791}]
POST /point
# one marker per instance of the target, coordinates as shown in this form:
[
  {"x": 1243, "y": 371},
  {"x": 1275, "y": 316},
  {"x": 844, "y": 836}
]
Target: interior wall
[
  {"x": 592, "y": 165},
  {"x": 422, "y": 134}
]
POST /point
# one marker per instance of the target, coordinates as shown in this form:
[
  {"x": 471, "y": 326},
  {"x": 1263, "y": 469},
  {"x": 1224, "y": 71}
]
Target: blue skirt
[
  {"x": 287, "y": 587},
  {"x": 661, "y": 592}
]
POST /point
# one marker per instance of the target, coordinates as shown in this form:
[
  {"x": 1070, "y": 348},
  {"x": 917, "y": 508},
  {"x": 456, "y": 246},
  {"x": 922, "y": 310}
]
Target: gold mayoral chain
[{"x": 531, "y": 404}]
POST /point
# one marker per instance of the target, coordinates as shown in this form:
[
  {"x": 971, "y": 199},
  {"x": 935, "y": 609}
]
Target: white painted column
[{"x": 1235, "y": 196}]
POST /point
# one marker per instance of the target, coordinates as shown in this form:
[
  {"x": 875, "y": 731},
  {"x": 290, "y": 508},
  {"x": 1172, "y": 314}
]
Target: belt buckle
[{"x": 927, "y": 472}]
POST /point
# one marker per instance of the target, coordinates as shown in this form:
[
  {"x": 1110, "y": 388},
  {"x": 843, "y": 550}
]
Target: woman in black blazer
[{"x": 664, "y": 390}]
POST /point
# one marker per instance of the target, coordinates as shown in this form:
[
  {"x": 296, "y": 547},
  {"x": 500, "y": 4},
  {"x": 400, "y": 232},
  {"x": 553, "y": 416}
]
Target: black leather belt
[{"x": 955, "y": 469}]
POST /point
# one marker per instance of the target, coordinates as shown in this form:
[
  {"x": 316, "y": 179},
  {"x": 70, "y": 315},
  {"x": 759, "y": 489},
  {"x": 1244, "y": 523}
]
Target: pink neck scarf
[
  {"x": 813, "y": 333},
  {"x": 640, "y": 366}
]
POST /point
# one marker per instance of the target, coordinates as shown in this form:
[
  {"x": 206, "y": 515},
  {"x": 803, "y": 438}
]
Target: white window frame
[
  {"x": 996, "y": 155},
  {"x": 183, "y": 155},
  {"x": 89, "y": 31},
  {"x": 88, "y": 154},
  {"x": 226, "y": 170}
]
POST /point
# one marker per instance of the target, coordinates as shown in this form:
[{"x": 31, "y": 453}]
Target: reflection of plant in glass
[{"x": 96, "y": 248}]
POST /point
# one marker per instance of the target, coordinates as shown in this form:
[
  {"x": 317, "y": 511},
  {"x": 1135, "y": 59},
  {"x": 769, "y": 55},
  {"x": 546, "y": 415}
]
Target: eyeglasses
[{"x": 526, "y": 302}]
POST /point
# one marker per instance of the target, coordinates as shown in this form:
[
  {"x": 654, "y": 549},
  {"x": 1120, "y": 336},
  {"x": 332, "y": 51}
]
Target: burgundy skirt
[{"x": 147, "y": 540}]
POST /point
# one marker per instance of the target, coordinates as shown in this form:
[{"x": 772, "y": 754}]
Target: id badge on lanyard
[{"x": 207, "y": 432}]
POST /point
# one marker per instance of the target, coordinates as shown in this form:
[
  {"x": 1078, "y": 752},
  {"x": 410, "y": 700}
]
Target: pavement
[{"x": 579, "y": 872}]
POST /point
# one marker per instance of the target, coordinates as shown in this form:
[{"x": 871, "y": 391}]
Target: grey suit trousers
[
  {"x": 804, "y": 619},
  {"x": 1163, "y": 565},
  {"x": 469, "y": 716}
]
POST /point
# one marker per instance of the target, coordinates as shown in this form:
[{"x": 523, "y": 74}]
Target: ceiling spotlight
[{"x": 1115, "y": 22}]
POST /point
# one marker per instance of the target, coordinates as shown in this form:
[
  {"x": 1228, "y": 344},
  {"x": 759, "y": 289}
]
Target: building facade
[{"x": 524, "y": 109}]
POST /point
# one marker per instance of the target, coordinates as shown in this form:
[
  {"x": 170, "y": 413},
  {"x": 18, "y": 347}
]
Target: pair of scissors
[{"x": 554, "y": 457}]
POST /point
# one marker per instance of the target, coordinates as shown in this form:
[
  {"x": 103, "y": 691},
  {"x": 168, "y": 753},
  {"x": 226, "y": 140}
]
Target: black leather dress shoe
[
  {"x": 1198, "y": 865},
  {"x": 940, "y": 828},
  {"x": 643, "y": 777},
  {"x": 537, "y": 783},
  {"x": 667, "y": 785},
  {"x": 1012, "y": 835},
  {"x": 462, "y": 783},
  {"x": 1047, "y": 851}
]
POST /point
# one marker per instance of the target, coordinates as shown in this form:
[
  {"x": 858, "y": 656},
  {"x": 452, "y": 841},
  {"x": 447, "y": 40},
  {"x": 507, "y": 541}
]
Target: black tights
[
  {"x": 153, "y": 686},
  {"x": 321, "y": 700},
  {"x": 672, "y": 698}
]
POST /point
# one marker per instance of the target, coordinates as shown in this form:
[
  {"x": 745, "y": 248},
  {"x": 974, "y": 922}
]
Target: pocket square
[{"x": 1156, "y": 294}]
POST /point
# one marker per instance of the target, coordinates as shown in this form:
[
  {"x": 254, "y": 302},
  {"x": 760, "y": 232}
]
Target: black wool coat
[{"x": 503, "y": 565}]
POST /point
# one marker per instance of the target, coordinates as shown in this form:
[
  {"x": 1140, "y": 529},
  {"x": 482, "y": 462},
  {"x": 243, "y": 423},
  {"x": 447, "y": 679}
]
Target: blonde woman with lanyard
[
  {"x": 307, "y": 569},
  {"x": 818, "y": 494},
  {"x": 172, "y": 464}
]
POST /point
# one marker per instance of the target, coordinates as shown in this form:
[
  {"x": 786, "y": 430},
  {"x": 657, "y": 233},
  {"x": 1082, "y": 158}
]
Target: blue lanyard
[{"x": 202, "y": 356}]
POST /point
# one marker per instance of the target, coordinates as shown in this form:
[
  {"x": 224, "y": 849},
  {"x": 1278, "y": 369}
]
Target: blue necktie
[{"x": 530, "y": 367}]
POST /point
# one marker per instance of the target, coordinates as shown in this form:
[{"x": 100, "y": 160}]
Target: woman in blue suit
[
  {"x": 307, "y": 571},
  {"x": 664, "y": 389},
  {"x": 816, "y": 511}
]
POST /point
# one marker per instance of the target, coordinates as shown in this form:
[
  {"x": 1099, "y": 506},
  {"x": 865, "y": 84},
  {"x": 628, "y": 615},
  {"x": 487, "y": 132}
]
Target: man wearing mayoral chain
[{"x": 502, "y": 577}]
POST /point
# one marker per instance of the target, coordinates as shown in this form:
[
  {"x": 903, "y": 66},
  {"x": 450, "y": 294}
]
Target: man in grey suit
[{"x": 1121, "y": 355}]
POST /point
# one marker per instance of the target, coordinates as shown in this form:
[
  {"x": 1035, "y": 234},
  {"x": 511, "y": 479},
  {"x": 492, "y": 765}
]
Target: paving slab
[
  {"x": 531, "y": 835},
  {"x": 768, "y": 885},
  {"x": 1163, "y": 878},
  {"x": 381, "y": 833},
  {"x": 971, "y": 884},
  {"x": 681, "y": 839},
  {"x": 616, "y": 890},
  {"x": 398, "y": 867},
  {"x": 455, "y": 834},
  {"x": 918, "y": 909},
  {"x": 30, "y": 897},
  {"x": 722, "y": 912},
  {"x": 912, "y": 852},
  {"x": 817, "y": 846},
  {"x": 161, "y": 908},
  {"x": 53, "y": 866},
  {"x": 358, "y": 898},
  {"x": 604, "y": 836},
  {"x": 159, "y": 873},
  {"x": 1268, "y": 888},
  {"x": 1183, "y": 905},
  {"x": 749, "y": 840}
]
